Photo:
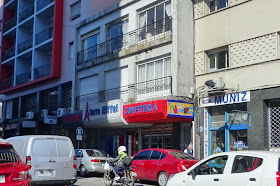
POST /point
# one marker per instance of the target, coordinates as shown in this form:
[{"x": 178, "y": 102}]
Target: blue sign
[{"x": 79, "y": 131}]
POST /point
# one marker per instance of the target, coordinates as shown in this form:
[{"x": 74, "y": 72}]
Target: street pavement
[{"x": 97, "y": 180}]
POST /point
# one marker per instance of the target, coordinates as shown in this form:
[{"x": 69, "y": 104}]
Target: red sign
[{"x": 150, "y": 112}]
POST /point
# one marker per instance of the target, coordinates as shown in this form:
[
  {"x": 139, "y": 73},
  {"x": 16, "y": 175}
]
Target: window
[
  {"x": 44, "y": 148},
  {"x": 49, "y": 100},
  {"x": 116, "y": 37},
  {"x": 75, "y": 10},
  {"x": 245, "y": 164},
  {"x": 155, "y": 20},
  {"x": 217, "y": 4},
  {"x": 213, "y": 166},
  {"x": 154, "y": 76},
  {"x": 181, "y": 156},
  {"x": 89, "y": 45},
  {"x": 64, "y": 148},
  {"x": 71, "y": 50},
  {"x": 144, "y": 155},
  {"x": 29, "y": 103},
  {"x": 155, "y": 155},
  {"x": 218, "y": 60}
]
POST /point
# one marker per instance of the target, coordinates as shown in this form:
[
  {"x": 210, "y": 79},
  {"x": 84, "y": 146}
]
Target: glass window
[
  {"x": 75, "y": 10},
  {"x": 71, "y": 50},
  {"x": 155, "y": 155},
  {"x": 217, "y": 117},
  {"x": 44, "y": 148},
  {"x": 217, "y": 4},
  {"x": 8, "y": 155},
  {"x": 213, "y": 166},
  {"x": 64, "y": 148},
  {"x": 218, "y": 141},
  {"x": 116, "y": 36},
  {"x": 245, "y": 164},
  {"x": 144, "y": 155},
  {"x": 218, "y": 60},
  {"x": 100, "y": 153},
  {"x": 181, "y": 156},
  {"x": 237, "y": 136},
  {"x": 89, "y": 45}
]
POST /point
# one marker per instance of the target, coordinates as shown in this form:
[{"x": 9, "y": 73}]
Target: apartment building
[
  {"x": 37, "y": 63},
  {"x": 134, "y": 75},
  {"x": 236, "y": 73}
]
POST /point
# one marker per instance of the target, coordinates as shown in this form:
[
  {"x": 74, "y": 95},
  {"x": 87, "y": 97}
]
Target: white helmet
[{"x": 121, "y": 149}]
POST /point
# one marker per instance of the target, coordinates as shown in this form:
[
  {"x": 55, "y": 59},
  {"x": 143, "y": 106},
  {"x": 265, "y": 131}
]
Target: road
[{"x": 97, "y": 180}]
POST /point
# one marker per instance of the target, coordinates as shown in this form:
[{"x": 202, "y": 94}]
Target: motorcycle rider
[{"x": 118, "y": 161}]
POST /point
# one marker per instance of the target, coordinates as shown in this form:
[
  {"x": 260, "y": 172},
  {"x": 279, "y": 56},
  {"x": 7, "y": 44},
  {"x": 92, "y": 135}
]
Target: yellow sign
[{"x": 180, "y": 109}]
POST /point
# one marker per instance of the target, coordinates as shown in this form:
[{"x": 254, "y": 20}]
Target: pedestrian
[{"x": 189, "y": 149}]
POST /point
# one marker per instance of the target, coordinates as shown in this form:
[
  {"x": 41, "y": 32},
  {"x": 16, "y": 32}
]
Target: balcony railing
[
  {"x": 44, "y": 35},
  {"x": 10, "y": 23},
  {"x": 7, "y": 83},
  {"x": 141, "y": 35},
  {"x": 9, "y": 53},
  {"x": 42, "y": 3},
  {"x": 23, "y": 78},
  {"x": 25, "y": 45},
  {"x": 154, "y": 88},
  {"x": 42, "y": 71},
  {"x": 7, "y": 1},
  {"x": 26, "y": 13}
]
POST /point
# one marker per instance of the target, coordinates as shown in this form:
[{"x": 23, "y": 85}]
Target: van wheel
[
  {"x": 83, "y": 171},
  {"x": 162, "y": 179}
]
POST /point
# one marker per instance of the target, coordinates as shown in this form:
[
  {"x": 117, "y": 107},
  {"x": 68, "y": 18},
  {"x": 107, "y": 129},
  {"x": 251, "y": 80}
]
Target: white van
[{"x": 52, "y": 158}]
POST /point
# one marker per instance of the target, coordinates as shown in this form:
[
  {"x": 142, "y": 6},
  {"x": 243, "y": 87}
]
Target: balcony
[
  {"x": 7, "y": 83},
  {"x": 10, "y": 24},
  {"x": 43, "y": 3},
  {"x": 23, "y": 78},
  {"x": 44, "y": 35},
  {"x": 9, "y": 53},
  {"x": 25, "y": 45},
  {"x": 154, "y": 88},
  {"x": 26, "y": 13},
  {"x": 145, "y": 34},
  {"x": 42, "y": 71}
]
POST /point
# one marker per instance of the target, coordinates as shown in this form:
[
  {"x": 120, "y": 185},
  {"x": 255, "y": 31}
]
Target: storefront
[
  {"x": 226, "y": 121},
  {"x": 170, "y": 123}
]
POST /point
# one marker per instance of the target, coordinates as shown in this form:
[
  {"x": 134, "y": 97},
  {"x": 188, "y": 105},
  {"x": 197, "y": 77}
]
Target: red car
[
  {"x": 13, "y": 171},
  {"x": 159, "y": 164}
]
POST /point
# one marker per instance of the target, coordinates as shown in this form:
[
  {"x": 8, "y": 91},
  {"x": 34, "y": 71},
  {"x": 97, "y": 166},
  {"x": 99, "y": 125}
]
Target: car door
[
  {"x": 154, "y": 165},
  {"x": 210, "y": 172},
  {"x": 43, "y": 159},
  {"x": 140, "y": 163},
  {"x": 246, "y": 170}
]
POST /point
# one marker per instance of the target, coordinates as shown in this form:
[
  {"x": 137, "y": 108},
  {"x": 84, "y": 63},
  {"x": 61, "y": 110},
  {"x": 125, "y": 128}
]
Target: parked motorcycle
[{"x": 127, "y": 175}]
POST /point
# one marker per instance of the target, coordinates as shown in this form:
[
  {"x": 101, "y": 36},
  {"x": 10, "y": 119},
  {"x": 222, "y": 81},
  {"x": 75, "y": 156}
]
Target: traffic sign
[
  {"x": 79, "y": 137},
  {"x": 79, "y": 131}
]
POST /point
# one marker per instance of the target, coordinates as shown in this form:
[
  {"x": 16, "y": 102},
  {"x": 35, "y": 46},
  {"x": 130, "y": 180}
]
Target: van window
[
  {"x": 245, "y": 164},
  {"x": 44, "y": 148},
  {"x": 64, "y": 148}
]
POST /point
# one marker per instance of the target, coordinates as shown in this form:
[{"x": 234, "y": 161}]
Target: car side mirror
[{"x": 193, "y": 173}]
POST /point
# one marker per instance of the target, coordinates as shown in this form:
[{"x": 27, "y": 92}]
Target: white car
[{"x": 238, "y": 168}]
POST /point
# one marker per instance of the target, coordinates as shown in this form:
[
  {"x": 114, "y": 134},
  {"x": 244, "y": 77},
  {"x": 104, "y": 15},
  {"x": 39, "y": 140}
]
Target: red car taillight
[
  {"x": 21, "y": 174},
  {"x": 278, "y": 178},
  {"x": 181, "y": 167},
  {"x": 95, "y": 160},
  {"x": 74, "y": 162},
  {"x": 28, "y": 161}
]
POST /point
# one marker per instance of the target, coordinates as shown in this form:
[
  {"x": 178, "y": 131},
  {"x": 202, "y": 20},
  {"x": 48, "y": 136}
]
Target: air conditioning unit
[
  {"x": 69, "y": 110},
  {"x": 61, "y": 112},
  {"x": 44, "y": 112},
  {"x": 29, "y": 115}
]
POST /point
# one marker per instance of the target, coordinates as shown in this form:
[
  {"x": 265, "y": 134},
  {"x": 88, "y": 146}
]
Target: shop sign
[
  {"x": 239, "y": 97},
  {"x": 157, "y": 130},
  {"x": 28, "y": 124},
  {"x": 11, "y": 126},
  {"x": 168, "y": 129},
  {"x": 107, "y": 112},
  {"x": 70, "y": 118},
  {"x": 145, "y": 130},
  {"x": 206, "y": 133},
  {"x": 180, "y": 109},
  {"x": 141, "y": 109},
  {"x": 50, "y": 119}
]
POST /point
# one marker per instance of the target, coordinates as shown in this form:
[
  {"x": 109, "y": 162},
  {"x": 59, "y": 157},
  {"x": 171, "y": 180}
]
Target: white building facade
[
  {"x": 134, "y": 75},
  {"x": 237, "y": 47}
]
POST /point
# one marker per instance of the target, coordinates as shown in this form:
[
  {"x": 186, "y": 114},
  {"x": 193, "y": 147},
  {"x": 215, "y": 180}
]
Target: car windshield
[
  {"x": 99, "y": 153},
  {"x": 182, "y": 155}
]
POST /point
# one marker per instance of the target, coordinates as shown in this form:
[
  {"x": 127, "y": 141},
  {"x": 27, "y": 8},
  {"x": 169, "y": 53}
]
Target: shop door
[{"x": 217, "y": 141}]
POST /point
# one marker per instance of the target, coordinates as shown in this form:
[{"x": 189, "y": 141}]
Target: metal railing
[
  {"x": 141, "y": 35},
  {"x": 25, "y": 45},
  {"x": 42, "y": 3},
  {"x": 42, "y": 71},
  {"x": 9, "y": 53},
  {"x": 44, "y": 35},
  {"x": 7, "y": 83},
  {"x": 26, "y": 13},
  {"x": 10, "y": 23},
  {"x": 7, "y": 1},
  {"x": 23, "y": 78},
  {"x": 138, "y": 91}
]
